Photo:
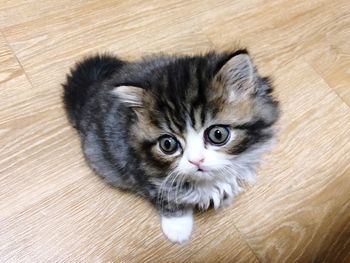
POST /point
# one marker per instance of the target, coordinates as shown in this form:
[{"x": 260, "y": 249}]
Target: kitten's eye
[
  {"x": 168, "y": 144},
  {"x": 218, "y": 135}
]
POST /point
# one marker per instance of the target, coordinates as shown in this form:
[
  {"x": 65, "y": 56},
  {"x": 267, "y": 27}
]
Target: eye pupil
[
  {"x": 167, "y": 144},
  {"x": 218, "y": 134}
]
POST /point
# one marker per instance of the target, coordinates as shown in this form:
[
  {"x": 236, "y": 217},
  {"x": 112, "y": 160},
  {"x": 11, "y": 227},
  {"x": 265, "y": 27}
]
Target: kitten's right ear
[
  {"x": 130, "y": 95},
  {"x": 238, "y": 74}
]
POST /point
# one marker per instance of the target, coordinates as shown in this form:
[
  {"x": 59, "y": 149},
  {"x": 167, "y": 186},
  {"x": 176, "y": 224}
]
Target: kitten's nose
[{"x": 197, "y": 162}]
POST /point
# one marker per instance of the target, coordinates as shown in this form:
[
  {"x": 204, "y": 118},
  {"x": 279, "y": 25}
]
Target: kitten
[{"x": 184, "y": 132}]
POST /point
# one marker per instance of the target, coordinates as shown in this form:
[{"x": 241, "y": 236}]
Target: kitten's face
[
  {"x": 199, "y": 121},
  {"x": 201, "y": 154}
]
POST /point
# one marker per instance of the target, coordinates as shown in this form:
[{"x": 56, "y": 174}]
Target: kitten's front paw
[{"x": 178, "y": 229}]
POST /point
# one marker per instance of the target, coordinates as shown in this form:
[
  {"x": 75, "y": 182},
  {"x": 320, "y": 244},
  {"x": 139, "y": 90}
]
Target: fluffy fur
[{"x": 148, "y": 126}]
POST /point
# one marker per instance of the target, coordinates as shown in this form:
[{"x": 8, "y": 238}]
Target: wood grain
[{"x": 54, "y": 209}]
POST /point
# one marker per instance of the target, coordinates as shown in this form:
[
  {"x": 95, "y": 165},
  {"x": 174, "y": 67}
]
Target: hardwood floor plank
[
  {"x": 129, "y": 30},
  {"x": 31, "y": 136},
  {"x": 21, "y": 11},
  {"x": 277, "y": 32},
  {"x": 331, "y": 58}
]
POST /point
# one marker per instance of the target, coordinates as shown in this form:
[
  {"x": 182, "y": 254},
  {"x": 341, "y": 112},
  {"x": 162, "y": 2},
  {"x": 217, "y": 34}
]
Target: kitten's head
[{"x": 199, "y": 116}]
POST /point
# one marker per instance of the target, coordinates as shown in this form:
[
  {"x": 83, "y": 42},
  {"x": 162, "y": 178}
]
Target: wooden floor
[{"x": 54, "y": 209}]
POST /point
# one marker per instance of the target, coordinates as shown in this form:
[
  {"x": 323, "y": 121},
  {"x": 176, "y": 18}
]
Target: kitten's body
[{"x": 124, "y": 111}]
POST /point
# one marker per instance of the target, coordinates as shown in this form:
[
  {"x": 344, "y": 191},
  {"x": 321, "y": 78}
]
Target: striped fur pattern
[{"x": 157, "y": 126}]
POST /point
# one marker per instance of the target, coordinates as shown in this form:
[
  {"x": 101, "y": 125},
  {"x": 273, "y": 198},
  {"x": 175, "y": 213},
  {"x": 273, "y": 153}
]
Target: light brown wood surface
[{"x": 54, "y": 209}]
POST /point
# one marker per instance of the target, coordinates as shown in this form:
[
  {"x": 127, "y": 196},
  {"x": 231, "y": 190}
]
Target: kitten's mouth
[
  {"x": 201, "y": 170},
  {"x": 201, "y": 173}
]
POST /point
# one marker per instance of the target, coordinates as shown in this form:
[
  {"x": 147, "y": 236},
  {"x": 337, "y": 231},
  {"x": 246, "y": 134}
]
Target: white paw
[{"x": 178, "y": 229}]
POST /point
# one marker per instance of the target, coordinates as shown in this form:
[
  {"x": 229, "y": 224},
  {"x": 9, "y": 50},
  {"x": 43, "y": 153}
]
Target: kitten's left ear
[
  {"x": 130, "y": 95},
  {"x": 238, "y": 74}
]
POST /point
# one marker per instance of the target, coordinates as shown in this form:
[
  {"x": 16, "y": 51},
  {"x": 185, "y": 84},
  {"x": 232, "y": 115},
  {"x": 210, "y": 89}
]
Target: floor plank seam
[
  {"x": 17, "y": 59},
  {"x": 328, "y": 85},
  {"x": 242, "y": 236}
]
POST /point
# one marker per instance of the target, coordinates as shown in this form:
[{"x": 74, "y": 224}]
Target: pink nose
[{"x": 197, "y": 162}]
